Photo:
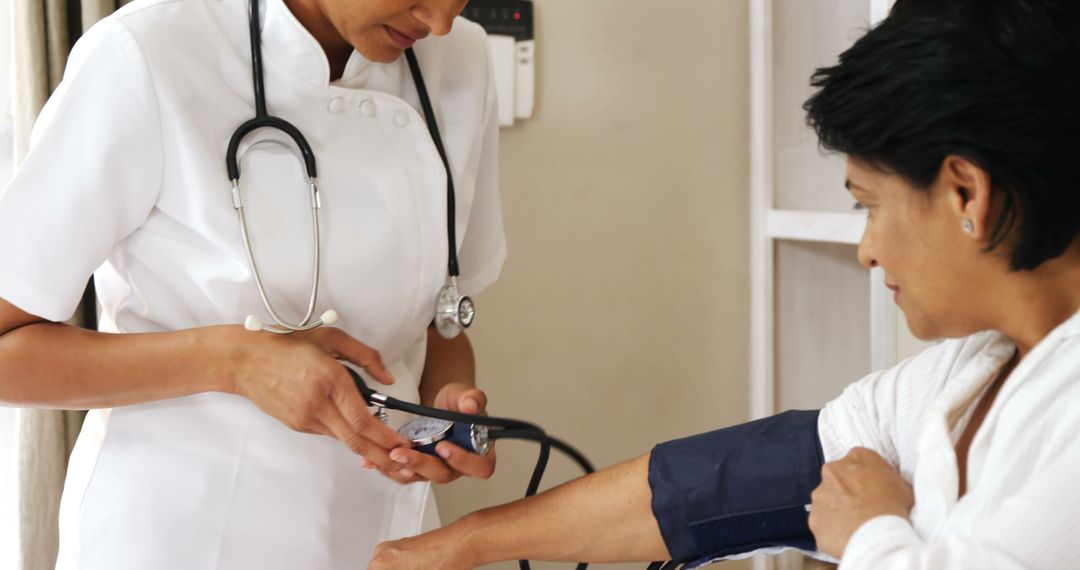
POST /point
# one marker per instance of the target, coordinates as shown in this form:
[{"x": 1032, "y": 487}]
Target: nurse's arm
[
  {"x": 604, "y": 517},
  {"x": 296, "y": 378},
  {"x": 53, "y": 365},
  {"x": 447, "y": 361}
]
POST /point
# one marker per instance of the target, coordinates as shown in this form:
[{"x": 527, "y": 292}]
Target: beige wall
[{"x": 621, "y": 317}]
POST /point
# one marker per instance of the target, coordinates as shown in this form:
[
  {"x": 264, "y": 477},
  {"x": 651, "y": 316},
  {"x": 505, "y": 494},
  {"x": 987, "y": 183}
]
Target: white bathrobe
[{"x": 1022, "y": 507}]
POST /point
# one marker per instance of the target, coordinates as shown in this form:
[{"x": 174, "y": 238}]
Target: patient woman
[{"x": 960, "y": 120}]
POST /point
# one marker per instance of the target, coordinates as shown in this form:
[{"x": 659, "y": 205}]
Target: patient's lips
[{"x": 896, "y": 291}]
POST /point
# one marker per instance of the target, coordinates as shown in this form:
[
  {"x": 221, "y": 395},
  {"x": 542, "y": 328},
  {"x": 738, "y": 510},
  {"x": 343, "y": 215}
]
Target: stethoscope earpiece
[
  {"x": 328, "y": 318},
  {"x": 253, "y": 324}
]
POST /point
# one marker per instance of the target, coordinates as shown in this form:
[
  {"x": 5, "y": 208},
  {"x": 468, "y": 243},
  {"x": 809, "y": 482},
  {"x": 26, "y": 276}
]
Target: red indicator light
[{"x": 517, "y": 15}]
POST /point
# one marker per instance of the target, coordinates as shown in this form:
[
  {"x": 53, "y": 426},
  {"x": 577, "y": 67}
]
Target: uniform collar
[{"x": 289, "y": 46}]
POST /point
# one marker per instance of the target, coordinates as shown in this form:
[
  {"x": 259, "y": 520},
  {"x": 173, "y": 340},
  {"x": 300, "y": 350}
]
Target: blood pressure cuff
[{"x": 737, "y": 489}]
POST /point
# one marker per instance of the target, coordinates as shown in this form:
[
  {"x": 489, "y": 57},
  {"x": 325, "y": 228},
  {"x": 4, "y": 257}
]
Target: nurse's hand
[
  {"x": 456, "y": 461},
  {"x": 298, "y": 379},
  {"x": 853, "y": 490}
]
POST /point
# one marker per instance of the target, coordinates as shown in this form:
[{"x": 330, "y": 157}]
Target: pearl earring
[{"x": 969, "y": 226}]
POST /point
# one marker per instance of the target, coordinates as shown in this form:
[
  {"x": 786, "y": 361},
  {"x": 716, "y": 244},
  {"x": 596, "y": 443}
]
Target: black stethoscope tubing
[
  {"x": 263, "y": 119},
  {"x": 505, "y": 428},
  {"x": 433, "y": 129}
]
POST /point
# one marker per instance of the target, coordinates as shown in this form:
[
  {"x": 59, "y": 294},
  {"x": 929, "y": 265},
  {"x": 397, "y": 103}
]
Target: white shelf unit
[
  {"x": 819, "y": 319},
  {"x": 821, "y": 227}
]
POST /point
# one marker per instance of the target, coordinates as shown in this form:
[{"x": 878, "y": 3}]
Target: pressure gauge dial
[{"x": 425, "y": 433}]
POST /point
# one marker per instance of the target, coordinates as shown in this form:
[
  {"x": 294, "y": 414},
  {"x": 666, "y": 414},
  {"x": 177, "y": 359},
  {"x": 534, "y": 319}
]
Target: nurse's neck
[{"x": 335, "y": 46}]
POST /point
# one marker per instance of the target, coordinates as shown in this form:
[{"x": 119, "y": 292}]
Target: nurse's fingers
[
  {"x": 339, "y": 344},
  {"x": 403, "y": 476},
  {"x": 455, "y": 462},
  {"x": 349, "y": 406},
  {"x": 462, "y": 398},
  {"x": 430, "y": 468},
  {"x": 359, "y": 444},
  {"x": 471, "y": 464}
]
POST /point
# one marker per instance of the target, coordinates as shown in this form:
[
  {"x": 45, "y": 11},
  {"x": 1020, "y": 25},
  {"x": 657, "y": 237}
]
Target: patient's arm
[
  {"x": 604, "y": 517},
  {"x": 716, "y": 494}
]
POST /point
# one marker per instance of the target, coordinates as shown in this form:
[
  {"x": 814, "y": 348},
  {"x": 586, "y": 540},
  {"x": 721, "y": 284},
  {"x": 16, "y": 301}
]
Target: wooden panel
[
  {"x": 822, "y": 322},
  {"x": 808, "y": 34}
]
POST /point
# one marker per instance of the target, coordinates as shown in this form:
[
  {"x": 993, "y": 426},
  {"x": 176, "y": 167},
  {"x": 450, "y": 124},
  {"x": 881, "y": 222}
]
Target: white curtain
[
  {"x": 9, "y": 538},
  {"x": 43, "y": 31}
]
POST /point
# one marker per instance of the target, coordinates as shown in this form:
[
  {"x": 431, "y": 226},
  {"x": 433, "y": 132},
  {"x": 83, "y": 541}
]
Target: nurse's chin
[
  {"x": 377, "y": 48},
  {"x": 388, "y": 54}
]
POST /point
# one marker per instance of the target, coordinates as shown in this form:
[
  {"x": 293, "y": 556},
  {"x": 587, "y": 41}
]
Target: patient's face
[{"x": 918, "y": 239}]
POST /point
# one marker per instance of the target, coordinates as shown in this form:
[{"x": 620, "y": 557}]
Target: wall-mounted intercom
[{"x": 511, "y": 32}]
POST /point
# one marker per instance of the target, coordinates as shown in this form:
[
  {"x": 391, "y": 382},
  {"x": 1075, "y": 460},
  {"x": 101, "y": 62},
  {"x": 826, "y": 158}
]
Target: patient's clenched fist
[{"x": 854, "y": 490}]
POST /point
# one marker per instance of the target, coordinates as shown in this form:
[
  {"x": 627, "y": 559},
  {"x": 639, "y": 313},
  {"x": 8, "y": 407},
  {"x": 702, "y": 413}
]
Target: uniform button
[
  {"x": 367, "y": 107},
  {"x": 336, "y": 105},
  {"x": 402, "y": 118}
]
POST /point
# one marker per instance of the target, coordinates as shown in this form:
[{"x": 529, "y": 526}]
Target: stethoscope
[{"x": 453, "y": 311}]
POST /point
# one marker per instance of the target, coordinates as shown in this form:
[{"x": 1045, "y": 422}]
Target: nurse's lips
[{"x": 403, "y": 40}]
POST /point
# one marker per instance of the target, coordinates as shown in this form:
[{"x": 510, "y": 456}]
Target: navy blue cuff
[{"x": 737, "y": 489}]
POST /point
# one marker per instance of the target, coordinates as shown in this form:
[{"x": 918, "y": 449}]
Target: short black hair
[{"x": 994, "y": 81}]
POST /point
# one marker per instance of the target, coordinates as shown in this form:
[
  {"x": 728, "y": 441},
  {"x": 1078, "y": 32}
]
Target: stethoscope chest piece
[{"x": 454, "y": 312}]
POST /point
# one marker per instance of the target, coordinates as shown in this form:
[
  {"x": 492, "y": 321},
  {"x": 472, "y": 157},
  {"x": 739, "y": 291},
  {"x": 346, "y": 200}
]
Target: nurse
[
  {"x": 210, "y": 446},
  {"x": 960, "y": 123}
]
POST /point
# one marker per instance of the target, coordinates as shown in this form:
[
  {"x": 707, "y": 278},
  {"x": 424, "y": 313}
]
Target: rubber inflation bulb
[
  {"x": 253, "y": 324},
  {"x": 329, "y": 317}
]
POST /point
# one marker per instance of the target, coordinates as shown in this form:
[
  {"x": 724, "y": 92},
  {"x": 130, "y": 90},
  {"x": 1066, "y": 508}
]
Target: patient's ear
[{"x": 967, "y": 189}]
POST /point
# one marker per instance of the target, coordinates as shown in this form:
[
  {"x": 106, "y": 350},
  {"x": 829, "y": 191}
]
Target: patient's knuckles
[
  {"x": 862, "y": 456},
  {"x": 814, "y": 522},
  {"x": 830, "y": 471}
]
